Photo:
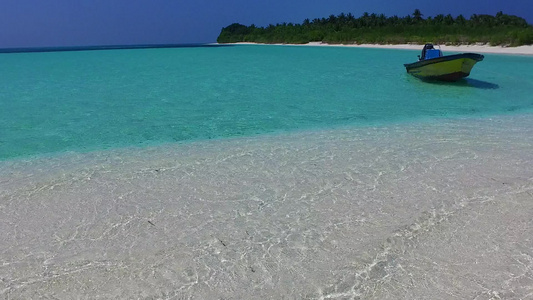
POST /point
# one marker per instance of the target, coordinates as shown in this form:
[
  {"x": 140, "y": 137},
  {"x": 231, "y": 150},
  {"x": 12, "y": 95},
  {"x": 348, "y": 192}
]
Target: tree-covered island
[{"x": 501, "y": 29}]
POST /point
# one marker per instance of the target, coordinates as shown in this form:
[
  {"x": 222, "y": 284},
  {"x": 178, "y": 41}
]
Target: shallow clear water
[
  {"x": 394, "y": 189},
  {"x": 91, "y": 100},
  {"x": 390, "y": 212}
]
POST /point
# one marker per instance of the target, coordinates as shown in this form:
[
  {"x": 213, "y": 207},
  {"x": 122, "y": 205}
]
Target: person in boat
[{"x": 429, "y": 48}]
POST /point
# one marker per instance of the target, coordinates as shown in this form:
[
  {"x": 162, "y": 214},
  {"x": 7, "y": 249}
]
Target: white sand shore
[
  {"x": 521, "y": 50},
  {"x": 403, "y": 212}
]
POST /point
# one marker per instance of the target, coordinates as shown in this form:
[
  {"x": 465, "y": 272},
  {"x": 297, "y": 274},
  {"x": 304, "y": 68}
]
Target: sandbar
[{"x": 432, "y": 210}]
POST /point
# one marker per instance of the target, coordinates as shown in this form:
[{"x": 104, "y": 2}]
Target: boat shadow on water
[{"x": 467, "y": 83}]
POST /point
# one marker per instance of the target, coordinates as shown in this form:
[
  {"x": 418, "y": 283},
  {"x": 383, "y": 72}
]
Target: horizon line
[{"x": 105, "y": 47}]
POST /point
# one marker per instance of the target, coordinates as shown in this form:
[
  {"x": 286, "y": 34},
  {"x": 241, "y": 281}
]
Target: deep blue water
[{"x": 53, "y": 102}]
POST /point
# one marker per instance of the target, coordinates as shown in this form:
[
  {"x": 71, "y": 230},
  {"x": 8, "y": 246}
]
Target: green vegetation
[{"x": 500, "y": 29}]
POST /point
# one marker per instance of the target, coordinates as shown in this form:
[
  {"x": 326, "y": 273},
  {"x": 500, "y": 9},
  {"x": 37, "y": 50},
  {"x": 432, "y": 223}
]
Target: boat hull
[{"x": 446, "y": 68}]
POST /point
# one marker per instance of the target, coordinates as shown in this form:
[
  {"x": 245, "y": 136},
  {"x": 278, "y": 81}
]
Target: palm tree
[
  {"x": 439, "y": 19},
  {"x": 417, "y": 15},
  {"x": 460, "y": 20}
]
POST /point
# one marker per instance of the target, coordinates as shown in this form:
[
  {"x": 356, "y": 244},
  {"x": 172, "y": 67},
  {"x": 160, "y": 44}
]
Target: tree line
[{"x": 501, "y": 29}]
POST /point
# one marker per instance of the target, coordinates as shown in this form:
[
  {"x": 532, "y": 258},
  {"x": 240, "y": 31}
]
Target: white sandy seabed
[{"x": 437, "y": 210}]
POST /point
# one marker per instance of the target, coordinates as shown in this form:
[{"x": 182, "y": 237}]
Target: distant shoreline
[{"x": 520, "y": 50}]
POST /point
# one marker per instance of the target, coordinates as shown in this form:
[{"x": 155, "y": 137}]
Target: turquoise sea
[
  {"x": 53, "y": 102},
  {"x": 263, "y": 172}
]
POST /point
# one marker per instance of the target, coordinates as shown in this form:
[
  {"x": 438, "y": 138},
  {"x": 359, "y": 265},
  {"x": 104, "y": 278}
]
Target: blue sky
[{"x": 40, "y": 23}]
